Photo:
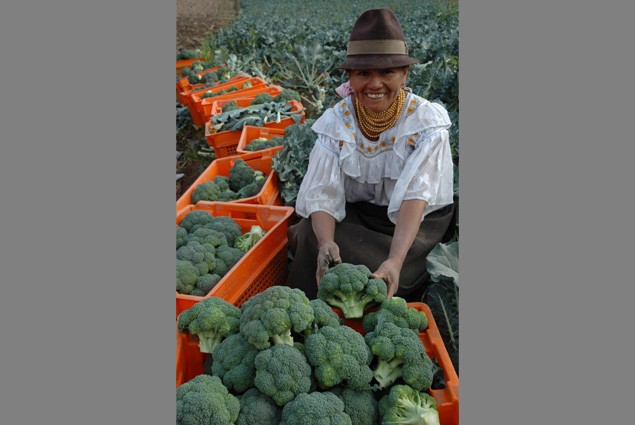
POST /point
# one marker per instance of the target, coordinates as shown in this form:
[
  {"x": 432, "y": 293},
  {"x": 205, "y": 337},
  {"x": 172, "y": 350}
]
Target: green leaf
[{"x": 443, "y": 260}]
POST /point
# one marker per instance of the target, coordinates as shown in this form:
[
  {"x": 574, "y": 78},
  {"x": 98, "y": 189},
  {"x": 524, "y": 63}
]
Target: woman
[{"x": 379, "y": 185}]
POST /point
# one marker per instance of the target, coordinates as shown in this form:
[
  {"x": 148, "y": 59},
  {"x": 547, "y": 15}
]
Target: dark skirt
[{"x": 364, "y": 237}]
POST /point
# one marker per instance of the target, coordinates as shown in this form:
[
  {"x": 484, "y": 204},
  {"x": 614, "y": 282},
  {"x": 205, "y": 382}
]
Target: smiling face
[{"x": 376, "y": 89}]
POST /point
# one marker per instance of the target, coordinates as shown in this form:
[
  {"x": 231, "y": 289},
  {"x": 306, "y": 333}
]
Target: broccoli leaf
[{"x": 443, "y": 260}]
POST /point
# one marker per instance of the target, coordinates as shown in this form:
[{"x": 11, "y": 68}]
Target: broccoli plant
[
  {"x": 269, "y": 317},
  {"x": 404, "y": 405},
  {"x": 212, "y": 320},
  {"x": 350, "y": 288}
]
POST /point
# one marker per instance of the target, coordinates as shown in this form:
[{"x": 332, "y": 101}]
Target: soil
[{"x": 195, "y": 20}]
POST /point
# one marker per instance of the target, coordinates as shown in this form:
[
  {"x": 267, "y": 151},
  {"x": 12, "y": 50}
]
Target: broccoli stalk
[
  {"x": 404, "y": 405},
  {"x": 387, "y": 372}
]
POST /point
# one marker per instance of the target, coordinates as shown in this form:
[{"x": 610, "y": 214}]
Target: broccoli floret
[
  {"x": 195, "y": 219},
  {"x": 186, "y": 276},
  {"x": 206, "y": 191},
  {"x": 399, "y": 353},
  {"x": 360, "y": 405},
  {"x": 262, "y": 98},
  {"x": 222, "y": 182},
  {"x": 205, "y": 235},
  {"x": 181, "y": 236},
  {"x": 227, "y": 226},
  {"x": 204, "y": 284},
  {"x": 240, "y": 175},
  {"x": 201, "y": 255},
  {"x": 339, "y": 356},
  {"x": 323, "y": 316},
  {"x": 226, "y": 258},
  {"x": 282, "y": 372},
  {"x": 396, "y": 310},
  {"x": 234, "y": 363},
  {"x": 286, "y": 95},
  {"x": 405, "y": 405},
  {"x": 258, "y": 408},
  {"x": 350, "y": 288},
  {"x": 264, "y": 143},
  {"x": 204, "y": 400},
  {"x": 316, "y": 408},
  {"x": 268, "y": 317},
  {"x": 249, "y": 239},
  {"x": 212, "y": 320}
]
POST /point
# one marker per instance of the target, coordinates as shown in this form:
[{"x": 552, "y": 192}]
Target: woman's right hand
[{"x": 328, "y": 255}]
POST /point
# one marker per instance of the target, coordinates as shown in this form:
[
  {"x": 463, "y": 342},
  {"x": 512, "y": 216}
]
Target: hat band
[{"x": 376, "y": 47}]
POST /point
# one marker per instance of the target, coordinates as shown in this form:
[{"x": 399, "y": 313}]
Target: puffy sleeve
[
  {"x": 322, "y": 188},
  {"x": 429, "y": 172}
]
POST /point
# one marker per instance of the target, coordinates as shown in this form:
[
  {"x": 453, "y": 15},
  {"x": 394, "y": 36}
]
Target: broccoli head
[
  {"x": 350, "y": 288},
  {"x": 405, "y": 405},
  {"x": 258, "y": 408},
  {"x": 339, "y": 356},
  {"x": 399, "y": 353},
  {"x": 234, "y": 363},
  {"x": 268, "y": 317},
  {"x": 186, "y": 276},
  {"x": 181, "y": 236},
  {"x": 360, "y": 405},
  {"x": 222, "y": 182},
  {"x": 323, "y": 316},
  {"x": 282, "y": 372},
  {"x": 201, "y": 255},
  {"x": 316, "y": 408},
  {"x": 212, "y": 320},
  {"x": 286, "y": 95},
  {"x": 396, "y": 310},
  {"x": 195, "y": 219},
  {"x": 240, "y": 175},
  {"x": 206, "y": 191},
  {"x": 226, "y": 258},
  {"x": 249, "y": 239},
  {"x": 204, "y": 284},
  {"x": 205, "y": 235},
  {"x": 204, "y": 400},
  {"x": 262, "y": 98},
  {"x": 227, "y": 226}
]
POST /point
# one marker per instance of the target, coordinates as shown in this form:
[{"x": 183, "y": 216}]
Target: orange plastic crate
[
  {"x": 191, "y": 96},
  {"x": 251, "y": 132},
  {"x": 264, "y": 265},
  {"x": 203, "y": 107},
  {"x": 182, "y": 63},
  {"x": 189, "y": 363},
  {"x": 268, "y": 195},
  {"x": 226, "y": 142},
  {"x": 183, "y": 84}
]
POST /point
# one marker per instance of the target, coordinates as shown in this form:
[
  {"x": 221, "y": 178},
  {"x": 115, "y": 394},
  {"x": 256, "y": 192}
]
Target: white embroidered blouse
[{"x": 412, "y": 160}]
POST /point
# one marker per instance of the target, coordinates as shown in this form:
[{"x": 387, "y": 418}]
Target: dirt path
[{"x": 195, "y": 19}]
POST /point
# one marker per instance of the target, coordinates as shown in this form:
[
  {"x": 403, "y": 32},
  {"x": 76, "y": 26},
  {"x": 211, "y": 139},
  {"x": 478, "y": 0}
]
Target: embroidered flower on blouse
[
  {"x": 383, "y": 143},
  {"x": 411, "y": 141},
  {"x": 347, "y": 112},
  {"x": 347, "y": 124},
  {"x": 341, "y": 143},
  {"x": 392, "y": 139},
  {"x": 361, "y": 145}
]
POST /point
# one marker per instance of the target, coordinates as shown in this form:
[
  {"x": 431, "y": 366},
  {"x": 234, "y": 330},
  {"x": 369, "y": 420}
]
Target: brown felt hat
[{"x": 377, "y": 42}]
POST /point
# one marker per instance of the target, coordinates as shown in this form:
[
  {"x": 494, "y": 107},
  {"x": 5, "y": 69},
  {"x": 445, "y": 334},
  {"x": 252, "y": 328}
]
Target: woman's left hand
[{"x": 389, "y": 271}]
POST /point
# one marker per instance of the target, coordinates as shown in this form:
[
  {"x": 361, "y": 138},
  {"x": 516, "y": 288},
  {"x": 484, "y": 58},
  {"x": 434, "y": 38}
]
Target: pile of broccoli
[
  {"x": 289, "y": 360},
  {"x": 205, "y": 251},
  {"x": 243, "y": 182},
  {"x": 264, "y": 143}
]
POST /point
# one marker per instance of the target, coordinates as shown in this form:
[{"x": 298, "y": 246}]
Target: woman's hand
[
  {"x": 389, "y": 271},
  {"x": 328, "y": 254}
]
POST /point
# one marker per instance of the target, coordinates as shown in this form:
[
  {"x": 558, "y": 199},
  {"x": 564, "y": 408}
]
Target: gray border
[
  {"x": 546, "y": 91},
  {"x": 87, "y": 177}
]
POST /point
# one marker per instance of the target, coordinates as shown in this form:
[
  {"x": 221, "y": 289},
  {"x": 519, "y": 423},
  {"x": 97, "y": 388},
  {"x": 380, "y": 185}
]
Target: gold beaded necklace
[{"x": 372, "y": 124}]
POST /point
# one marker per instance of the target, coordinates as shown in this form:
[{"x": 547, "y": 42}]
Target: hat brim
[{"x": 376, "y": 61}]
